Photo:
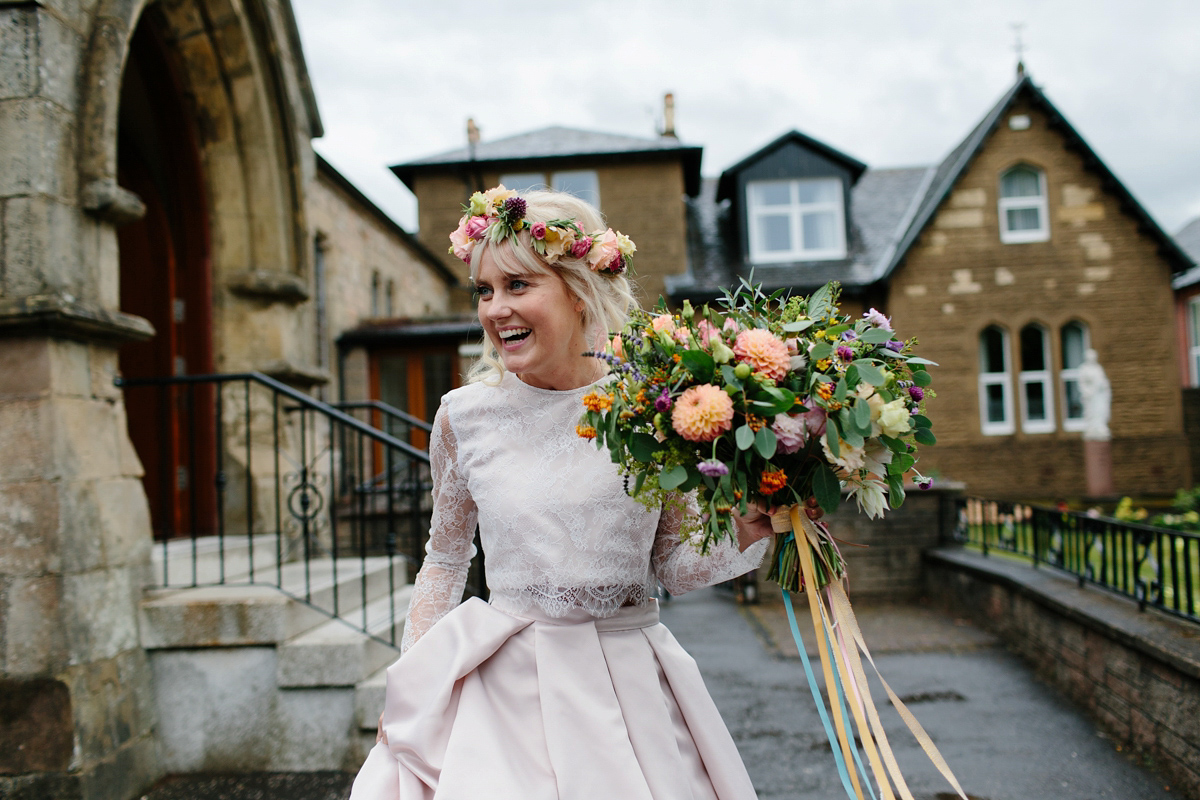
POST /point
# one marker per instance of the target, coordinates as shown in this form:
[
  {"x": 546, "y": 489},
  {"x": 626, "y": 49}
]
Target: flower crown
[{"x": 499, "y": 214}]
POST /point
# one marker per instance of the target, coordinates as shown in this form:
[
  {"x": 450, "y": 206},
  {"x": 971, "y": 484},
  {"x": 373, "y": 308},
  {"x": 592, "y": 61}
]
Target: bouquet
[
  {"x": 769, "y": 400},
  {"x": 778, "y": 401}
]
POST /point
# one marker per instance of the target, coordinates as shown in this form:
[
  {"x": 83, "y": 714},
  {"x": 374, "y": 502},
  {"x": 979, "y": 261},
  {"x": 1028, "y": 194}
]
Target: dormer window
[
  {"x": 796, "y": 220},
  {"x": 1023, "y": 208}
]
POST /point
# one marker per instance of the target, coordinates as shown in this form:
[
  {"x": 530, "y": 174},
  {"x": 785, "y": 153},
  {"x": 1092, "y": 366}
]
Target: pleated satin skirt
[{"x": 489, "y": 704}]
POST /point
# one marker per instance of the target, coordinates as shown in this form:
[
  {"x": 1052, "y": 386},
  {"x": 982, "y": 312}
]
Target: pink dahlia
[
  {"x": 763, "y": 351},
  {"x": 702, "y": 413}
]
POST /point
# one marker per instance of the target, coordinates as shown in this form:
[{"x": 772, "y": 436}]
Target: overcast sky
[{"x": 890, "y": 82}]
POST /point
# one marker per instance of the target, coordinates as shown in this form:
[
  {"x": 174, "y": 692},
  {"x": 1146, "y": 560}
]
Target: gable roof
[
  {"x": 955, "y": 165},
  {"x": 727, "y": 184},
  {"x": 557, "y": 143}
]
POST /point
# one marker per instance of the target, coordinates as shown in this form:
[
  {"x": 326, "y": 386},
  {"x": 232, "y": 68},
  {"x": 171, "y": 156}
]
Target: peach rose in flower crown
[
  {"x": 605, "y": 250},
  {"x": 461, "y": 243}
]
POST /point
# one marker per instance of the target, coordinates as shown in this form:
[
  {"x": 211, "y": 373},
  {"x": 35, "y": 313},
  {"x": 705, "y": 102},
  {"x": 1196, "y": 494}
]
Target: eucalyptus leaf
[
  {"x": 876, "y": 336},
  {"x": 925, "y": 436},
  {"x": 840, "y": 390},
  {"x": 916, "y": 360},
  {"x": 869, "y": 372},
  {"x": 895, "y": 445},
  {"x": 798, "y": 326},
  {"x": 921, "y": 421},
  {"x": 765, "y": 442},
  {"x": 731, "y": 378},
  {"x": 831, "y": 437},
  {"x": 643, "y": 446},
  {"x": 922, "y": 378},
  {"x": 692, "y": 481},
  {"x": 744, "y": 437},
  {"x": 673, "y": 478},
  {"x": 827, "y": 489},
  {"x": 820, "y": 305},
  {"x": 821, "y": 350},
  {"x": 637, "y": 484},
  {"x": 862, "y": 416},
  {"x": 699, "y": 363},
  {"x": 852, "y": 376}
]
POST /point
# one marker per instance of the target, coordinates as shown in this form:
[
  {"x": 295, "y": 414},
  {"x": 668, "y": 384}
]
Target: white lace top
[{"x": 558, "y": 529}]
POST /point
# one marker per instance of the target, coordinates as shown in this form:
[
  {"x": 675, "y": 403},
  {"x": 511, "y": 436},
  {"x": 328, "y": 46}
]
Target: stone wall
[
  {"x": 1136, "y": 674},
  {"x": 1098, "y": 268}
]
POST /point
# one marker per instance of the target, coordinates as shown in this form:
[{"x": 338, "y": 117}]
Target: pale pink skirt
[{"x": 493, "y": 705}]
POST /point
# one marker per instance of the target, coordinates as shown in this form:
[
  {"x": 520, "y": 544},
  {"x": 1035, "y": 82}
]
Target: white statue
[{"x": 1097, "y": 398}]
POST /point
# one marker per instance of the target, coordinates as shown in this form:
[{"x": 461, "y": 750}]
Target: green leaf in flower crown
[
  {"x": 744, "y": 437},
  {"x": 765, "y": 442},
  {"x": 921, "y": 421},
  {"x": 869, "y": 372},
  {"x": 831, "y": 437},
  {"x": 916, "y": 360},
  {"x": 827, "y": 489},
  {"x": 924, "y": 436},
  {"x": 798, "y": 326},
  {"x": 643, "y": 446},
  {"x": 876, "y": 336},
  {"x": 699, "y": 363},
  {"x": 821, "y": 350},
  {"x": 893, "y": 444},
  {"x": 922, "y": 378},
  {"x": 673, "y": 478}
]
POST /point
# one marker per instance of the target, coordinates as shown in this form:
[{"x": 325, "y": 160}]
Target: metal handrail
[
  {"x": 387, "y": 410},
  {"x": 332, "y": 495},
  {"x": 1156, "y": 567}
]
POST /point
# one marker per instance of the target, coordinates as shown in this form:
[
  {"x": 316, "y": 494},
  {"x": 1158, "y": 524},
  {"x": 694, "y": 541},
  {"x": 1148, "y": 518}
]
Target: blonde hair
[{"x": 606, "y": 299}]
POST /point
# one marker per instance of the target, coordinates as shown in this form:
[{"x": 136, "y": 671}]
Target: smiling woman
[{"x": 563, "y": 684}]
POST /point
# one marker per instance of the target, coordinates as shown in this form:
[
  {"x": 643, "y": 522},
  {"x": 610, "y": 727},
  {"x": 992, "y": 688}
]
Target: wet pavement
[{"x": 1005, "y": 735}]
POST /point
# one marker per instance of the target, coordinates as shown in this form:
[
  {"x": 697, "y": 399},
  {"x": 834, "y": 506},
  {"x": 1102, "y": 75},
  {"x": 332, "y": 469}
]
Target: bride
[{"x": 564, "y": 684}]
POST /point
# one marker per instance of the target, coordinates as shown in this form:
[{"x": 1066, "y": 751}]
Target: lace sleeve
[
  {"x": 439, "y": 585},
  {"x": 680, "y": 567}
]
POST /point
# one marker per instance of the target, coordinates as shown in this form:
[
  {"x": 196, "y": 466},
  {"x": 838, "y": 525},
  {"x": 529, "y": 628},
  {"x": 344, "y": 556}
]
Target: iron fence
[
  {"x": 1157, "y": 567},
  {"x": 260, "y": 484}
]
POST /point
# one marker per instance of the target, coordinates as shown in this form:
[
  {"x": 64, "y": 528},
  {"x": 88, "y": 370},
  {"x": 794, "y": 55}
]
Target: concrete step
[
  {"x": 336, "y": 654},
  {"x": 238, "y": 553},
  {"x": 368, "y": 701},
  {"x": 220, "y": 616}
]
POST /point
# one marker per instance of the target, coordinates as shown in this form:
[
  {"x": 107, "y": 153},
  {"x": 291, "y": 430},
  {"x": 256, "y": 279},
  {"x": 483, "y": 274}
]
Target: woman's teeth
[{"x": 514, "y": 334}]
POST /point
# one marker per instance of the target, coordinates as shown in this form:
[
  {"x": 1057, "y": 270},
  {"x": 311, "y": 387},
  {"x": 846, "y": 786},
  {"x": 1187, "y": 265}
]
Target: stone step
[
  {"x": 222, "y": 616},
  {"x": 368, "y": 701},
  {"x": 336, "y": 654},
  {"x": 208, "y": 553}
]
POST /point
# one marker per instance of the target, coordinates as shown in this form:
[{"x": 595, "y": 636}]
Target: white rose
[{"x": 894, "y": 419}]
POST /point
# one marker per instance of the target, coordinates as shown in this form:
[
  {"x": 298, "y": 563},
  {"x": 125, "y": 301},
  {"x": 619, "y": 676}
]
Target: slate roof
[
  {"x": 889, "y": 208},
  {"x": 1189, "y": 240},
  {"x": 557, "y": 143}
]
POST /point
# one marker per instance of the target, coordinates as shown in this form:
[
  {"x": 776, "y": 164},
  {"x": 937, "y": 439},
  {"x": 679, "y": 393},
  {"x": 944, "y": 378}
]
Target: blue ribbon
[{"x": 816, "y": 693}]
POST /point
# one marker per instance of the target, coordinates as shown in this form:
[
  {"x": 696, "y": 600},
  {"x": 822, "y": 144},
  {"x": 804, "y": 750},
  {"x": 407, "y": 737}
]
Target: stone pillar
[
  {"x": 76, "y": 700},
  {"x": 1097, "y": 458}
]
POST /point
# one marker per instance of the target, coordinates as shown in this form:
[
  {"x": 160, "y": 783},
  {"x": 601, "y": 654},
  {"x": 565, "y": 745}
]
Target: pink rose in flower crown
[
  {"x": 581, "y": 247},
  {"x": 538, "y": 230},
  {"x": 663, "y": 323},
  {"x": 477, "y": 227},
  {"x": 605, "y": 251},
  {"x": 461, "y": 243},
  {"x": 706, "y": 330}
]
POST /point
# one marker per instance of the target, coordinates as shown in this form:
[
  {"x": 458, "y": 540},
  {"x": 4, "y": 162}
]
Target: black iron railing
[
  {"x": 1157, "y": 567},
  {"x": 384, "y": 417},
  {"x": 286, "y": 491}
]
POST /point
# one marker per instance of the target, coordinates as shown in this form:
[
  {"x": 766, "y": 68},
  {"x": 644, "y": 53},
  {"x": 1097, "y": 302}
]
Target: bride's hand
[
  {"x": 380, "y": 736},
  {"x": 755, "y": 524}
]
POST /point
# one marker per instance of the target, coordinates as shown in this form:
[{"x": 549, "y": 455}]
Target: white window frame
[
  {"x": 1193, "y": 325},
  {"x": 1002, "y": 379},
  {"x": 796, "y": 211},
  {"x": 1045, "y": 377},
  {"x": 1071, "y": 375},
  {"x": 1038, "y": 202}
]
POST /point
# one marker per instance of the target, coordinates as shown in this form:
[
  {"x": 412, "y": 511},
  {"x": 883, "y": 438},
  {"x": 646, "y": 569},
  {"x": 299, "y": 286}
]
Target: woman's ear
[{"x": 578, "y": 306}]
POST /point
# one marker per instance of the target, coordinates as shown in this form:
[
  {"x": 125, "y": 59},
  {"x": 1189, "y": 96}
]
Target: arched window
[
  {"x": 1023, "y": 209},
  {"x": 1075, "y": 342},
  {"x": 995, "y": 397},
  {"x": 1037, "y": 405}
]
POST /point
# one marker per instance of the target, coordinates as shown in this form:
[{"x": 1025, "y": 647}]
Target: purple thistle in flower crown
[
  {"x": 712, "y": 468},
  {"x": 916, "y": 393},
  {"x": 845, "y": 353},
  {"x": 514, "y": 209},
  {"x": 663, "y": 401}
]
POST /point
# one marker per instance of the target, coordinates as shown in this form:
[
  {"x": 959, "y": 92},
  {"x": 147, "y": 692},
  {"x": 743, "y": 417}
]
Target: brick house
[{"x": 1007, "y": 260}]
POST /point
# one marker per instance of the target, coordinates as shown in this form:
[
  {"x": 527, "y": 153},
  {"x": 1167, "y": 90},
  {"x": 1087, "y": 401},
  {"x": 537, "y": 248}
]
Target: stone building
[
  {"x": 1007, "y": 261},
  {"x": 163, "y": 214}
]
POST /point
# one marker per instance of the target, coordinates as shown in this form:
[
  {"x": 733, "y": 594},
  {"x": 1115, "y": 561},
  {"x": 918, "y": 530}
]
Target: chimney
[
  {"x": 669, "y": 115},
  {"x": 472, "y": 132}
]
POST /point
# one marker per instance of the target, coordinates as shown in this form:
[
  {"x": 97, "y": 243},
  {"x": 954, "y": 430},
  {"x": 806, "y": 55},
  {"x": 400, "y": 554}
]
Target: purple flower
[
  {"x": 514, "y": 207},
  {"x": 925, "y": 483},
  {"x": 663, "y": 401},
  {"x": 894, "y": 346},
  {"x": 845, "y": 353},
  {"x": 916, "y": 393},
  {"x": 712, "y": 468},
  {"x": 849, "y": 336},
  {"x": 878, "y": 319}
]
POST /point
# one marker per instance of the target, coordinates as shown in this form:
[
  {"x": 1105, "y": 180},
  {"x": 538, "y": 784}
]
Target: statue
[{"x": 1096, "y": 393}]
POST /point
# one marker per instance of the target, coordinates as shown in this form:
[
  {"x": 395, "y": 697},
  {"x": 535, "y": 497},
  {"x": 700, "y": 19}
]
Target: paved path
[{"x": 1006, "y": 736}]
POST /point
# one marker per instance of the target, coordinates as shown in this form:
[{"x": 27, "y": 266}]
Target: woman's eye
[
  {"x": 482, "y": 292},
  {"x": 518, "y": 285}
]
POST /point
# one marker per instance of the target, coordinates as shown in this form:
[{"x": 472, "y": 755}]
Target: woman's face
[{"x": 535, "y": 324}]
